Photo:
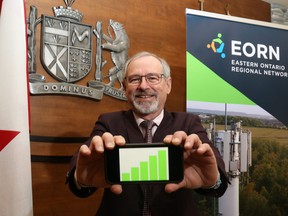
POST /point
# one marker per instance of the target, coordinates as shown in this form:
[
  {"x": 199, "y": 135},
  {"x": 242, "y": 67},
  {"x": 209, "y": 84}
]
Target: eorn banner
[{"x": 238, "y": 62}]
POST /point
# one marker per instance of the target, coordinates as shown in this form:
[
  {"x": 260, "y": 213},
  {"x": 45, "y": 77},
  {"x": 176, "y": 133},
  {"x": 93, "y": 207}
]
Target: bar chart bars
[{"x": 144, "y": 164}]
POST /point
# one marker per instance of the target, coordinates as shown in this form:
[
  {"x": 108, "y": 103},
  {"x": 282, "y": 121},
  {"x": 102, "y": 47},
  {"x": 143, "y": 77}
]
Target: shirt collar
[{"x": 156, "y": 120}]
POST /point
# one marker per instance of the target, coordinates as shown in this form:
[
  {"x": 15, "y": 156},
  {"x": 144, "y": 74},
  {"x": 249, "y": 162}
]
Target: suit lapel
[
  {"x": 134, "y": 134},
  {"x": 164, "y": 128}
]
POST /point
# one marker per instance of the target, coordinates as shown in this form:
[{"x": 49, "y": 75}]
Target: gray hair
[{"x": 166, "y": 68}]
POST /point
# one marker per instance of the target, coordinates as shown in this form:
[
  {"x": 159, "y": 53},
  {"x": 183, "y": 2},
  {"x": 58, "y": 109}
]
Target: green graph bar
[
  {"x": 135, "y": 173},
  {"x": 153, "y": 170},
  {"x": 126, "y": 177},
  {"x": 162, "y": 165},
  {"x": 144, "y": 171}
]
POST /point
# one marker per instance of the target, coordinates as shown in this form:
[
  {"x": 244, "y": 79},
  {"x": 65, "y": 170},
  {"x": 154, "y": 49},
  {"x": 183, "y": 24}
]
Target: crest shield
[{"x": 66, "y": 48}]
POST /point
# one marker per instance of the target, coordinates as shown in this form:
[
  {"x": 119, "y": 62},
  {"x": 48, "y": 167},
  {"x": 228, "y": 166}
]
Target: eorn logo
[
  {"x": 260, "y": 51},
  {"x": 217, "y": 45},
  {"x": 247, "y": 49}
]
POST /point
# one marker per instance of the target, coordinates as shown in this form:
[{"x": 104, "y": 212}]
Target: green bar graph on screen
[
  {"x": 162, "y": 164},
  {"x": 144, "y": 171},
  {"x": 155, "y": 168},
  {"x": 135, "y": 174},
  {"x": 126, "y": 177}
]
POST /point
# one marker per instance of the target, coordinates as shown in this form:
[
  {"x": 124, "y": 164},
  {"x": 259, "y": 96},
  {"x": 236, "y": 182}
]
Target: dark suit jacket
[{"x": 130, "y": 202}]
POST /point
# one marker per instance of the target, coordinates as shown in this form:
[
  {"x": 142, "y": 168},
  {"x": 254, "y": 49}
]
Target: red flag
[
  {"x": 15, "y": 162},
  {"x": 6, "y": 137},
  {"x": 0, "y": 5}
]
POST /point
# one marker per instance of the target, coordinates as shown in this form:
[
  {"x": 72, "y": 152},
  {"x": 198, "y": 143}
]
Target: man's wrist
[
  {"x": 76, "y": 188},
  {"x": 80, "y": 185},
  {"x": 218, "y": 182}
]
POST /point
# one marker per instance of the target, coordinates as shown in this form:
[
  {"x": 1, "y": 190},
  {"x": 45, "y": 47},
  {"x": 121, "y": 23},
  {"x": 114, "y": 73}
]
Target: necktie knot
[{"x": 147, "y": 126}]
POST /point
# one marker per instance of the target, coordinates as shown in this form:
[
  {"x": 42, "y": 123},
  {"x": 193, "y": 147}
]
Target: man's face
[{"x": 146, "y": 97}]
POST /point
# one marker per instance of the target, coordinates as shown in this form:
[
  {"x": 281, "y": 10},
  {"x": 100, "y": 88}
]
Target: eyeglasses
[{"x": 151, "y": 78}]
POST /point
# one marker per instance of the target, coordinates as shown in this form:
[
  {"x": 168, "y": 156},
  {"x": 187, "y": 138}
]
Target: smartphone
[{"x": 144, "y": 163}]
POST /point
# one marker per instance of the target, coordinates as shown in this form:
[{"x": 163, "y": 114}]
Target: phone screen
[{"x": 144, "y": 163}]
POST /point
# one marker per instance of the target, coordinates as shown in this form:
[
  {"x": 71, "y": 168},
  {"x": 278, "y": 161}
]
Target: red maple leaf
[{"x": 6, "y": 137}]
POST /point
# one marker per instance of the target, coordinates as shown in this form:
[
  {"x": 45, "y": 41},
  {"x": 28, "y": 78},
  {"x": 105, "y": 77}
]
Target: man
[{"x": 147, "y": 84}]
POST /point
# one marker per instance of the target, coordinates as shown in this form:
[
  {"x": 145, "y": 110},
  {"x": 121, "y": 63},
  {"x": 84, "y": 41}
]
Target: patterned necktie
[{"x": 147, "y": 126}]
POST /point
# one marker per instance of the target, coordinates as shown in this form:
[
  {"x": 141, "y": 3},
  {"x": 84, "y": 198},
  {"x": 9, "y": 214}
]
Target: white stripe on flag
[{"x": 15, "y": 163}]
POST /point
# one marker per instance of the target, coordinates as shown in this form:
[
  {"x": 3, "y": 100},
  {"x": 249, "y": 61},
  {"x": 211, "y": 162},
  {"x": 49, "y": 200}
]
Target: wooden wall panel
[
  {"x": 60, "y": 123},
  {"x": 51, "y": 196}
]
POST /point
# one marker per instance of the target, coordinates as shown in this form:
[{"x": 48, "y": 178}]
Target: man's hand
[
  {"x": 200, "y": 166},
  {"x": 90, "y": 164}
]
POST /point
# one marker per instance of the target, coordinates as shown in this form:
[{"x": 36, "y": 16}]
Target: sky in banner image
[{"x": 240, "y": 62}]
